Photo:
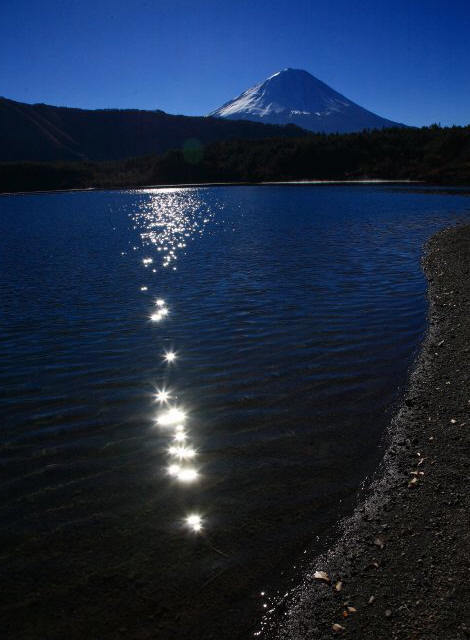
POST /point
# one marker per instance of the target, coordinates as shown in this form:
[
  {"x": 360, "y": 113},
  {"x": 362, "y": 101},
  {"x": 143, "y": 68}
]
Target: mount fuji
[{"x": 293, "y": 96}]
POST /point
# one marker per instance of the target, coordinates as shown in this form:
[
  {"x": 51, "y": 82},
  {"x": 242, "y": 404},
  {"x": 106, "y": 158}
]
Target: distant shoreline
[{"x": 192, "y": 185}]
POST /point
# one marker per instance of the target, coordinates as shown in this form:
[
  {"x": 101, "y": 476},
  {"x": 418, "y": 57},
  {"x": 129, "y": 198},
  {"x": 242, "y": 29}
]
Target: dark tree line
[{"x": 431, "y": 154}]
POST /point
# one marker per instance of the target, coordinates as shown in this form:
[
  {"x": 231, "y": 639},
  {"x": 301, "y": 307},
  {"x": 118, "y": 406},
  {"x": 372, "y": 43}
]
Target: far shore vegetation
[{"x": 438, "y": 155}]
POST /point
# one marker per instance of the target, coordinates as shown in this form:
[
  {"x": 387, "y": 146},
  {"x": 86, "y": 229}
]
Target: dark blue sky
[{"x": 405, "y": 60}]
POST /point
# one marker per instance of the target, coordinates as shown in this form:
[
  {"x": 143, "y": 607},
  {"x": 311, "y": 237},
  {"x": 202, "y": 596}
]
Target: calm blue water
[{"x": 293, "y": 315}]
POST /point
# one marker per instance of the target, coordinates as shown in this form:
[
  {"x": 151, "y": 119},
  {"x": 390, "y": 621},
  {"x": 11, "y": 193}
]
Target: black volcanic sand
[{"x": 403, "y": 557}]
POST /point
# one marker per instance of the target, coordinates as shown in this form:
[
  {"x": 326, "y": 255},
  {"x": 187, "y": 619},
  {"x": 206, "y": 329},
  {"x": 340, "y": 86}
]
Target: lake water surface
[{"x": 228, "y": 355}]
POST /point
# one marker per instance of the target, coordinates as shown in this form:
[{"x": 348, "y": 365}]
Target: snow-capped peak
[{"x": 295, "y": 96}]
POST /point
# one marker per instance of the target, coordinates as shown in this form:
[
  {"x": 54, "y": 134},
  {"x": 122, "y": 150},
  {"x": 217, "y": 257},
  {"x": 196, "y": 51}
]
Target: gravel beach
[{"x": 401, "y": 567}]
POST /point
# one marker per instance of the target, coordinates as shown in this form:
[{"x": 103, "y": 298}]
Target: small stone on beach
[
  {"x": 379, "y": 542},
  {"x": 321, "y": 575}
]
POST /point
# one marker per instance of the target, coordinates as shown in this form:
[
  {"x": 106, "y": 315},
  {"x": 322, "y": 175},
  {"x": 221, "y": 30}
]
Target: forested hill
[
  {"x": 44, "y": 133},
  {"x": 431, "y": 154}
]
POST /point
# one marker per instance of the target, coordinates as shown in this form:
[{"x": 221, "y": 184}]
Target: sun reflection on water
[
  {"x": 169, "y": 356},
  {"x": 194, "y": 522},
  {"x": 167, "y": 219},
  {"x": 184, "y": 474},
  {"x": 162, "y": 311},
  {"x": 162, "y": 396},
  {"x": 187, "y": 474},
  {"x": 181, "y": 452},
  {"x": 171, "y": 417}
]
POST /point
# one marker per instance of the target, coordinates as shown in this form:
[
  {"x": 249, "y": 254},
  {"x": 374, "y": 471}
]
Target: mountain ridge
[
  {"x": 295, "y": 96},
  {"x": 46, "y": 133}
]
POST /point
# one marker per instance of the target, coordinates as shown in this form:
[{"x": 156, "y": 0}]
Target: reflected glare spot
[
  {"x": 160, "y": 302},
  {"x": 174, "y": 469},
  {"x": 180, "y": 436},
  {"x": 171, "y": 417},
  {"x": 194, "y": 522},
  {"x": 181, "y": 452},
  {"x": 162, "y": 395},
  {"x": 187, "y": 475},
  {"x": 170, "y": 356},
  {"x": 144, "y": 288},
  {"x": 147, "y": 261},
  {"x": 156, "y": 317}
]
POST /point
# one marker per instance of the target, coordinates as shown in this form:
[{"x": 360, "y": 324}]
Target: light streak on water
[{"x": 167, "y": 220}]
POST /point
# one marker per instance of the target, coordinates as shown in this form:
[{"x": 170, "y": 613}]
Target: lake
[{"x": 196, "y": 384}]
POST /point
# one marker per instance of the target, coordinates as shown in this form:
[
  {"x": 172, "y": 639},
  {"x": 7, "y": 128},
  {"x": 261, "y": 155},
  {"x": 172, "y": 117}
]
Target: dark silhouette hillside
[{"x": 40, "y": 132}]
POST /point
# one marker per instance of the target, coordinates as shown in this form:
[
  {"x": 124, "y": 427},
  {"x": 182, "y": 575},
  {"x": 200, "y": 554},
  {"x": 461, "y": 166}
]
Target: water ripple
[{"x": 219, "y": 362}]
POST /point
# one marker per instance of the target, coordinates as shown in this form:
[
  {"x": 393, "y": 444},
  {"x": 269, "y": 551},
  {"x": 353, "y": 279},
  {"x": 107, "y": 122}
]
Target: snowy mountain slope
[{"x": 295, "y": 96}]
